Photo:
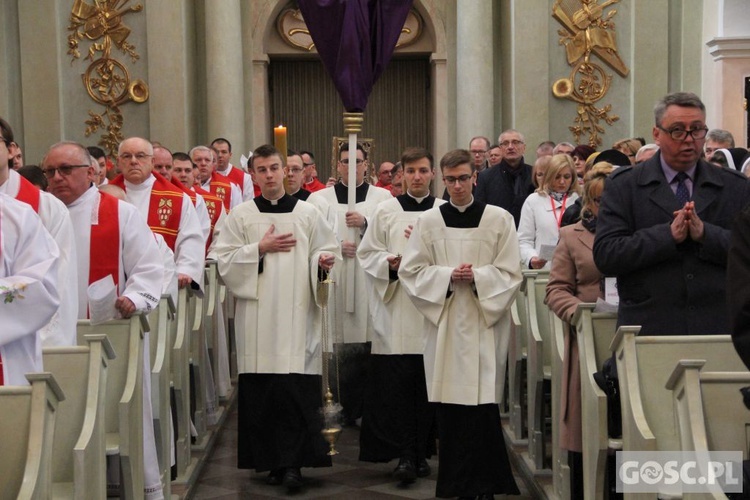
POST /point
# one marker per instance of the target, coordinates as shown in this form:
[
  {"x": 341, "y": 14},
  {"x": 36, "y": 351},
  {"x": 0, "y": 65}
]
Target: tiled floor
[{"x": 347, "y": 479}]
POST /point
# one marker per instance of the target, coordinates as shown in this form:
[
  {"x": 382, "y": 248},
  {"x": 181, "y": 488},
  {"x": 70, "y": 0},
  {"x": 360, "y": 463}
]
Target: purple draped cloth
[{"x": 355, "y": 40}]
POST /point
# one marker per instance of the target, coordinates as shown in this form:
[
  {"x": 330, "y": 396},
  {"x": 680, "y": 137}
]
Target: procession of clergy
[{"x": 423, "y": 289}]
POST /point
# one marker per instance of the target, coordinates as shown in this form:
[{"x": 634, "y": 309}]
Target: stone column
[
  {"x": 225, "y": 104},
  {"x": 474, "y": 71}
]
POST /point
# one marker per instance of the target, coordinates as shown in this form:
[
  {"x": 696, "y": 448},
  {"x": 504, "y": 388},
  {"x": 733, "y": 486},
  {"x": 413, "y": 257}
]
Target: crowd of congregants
[{"x": 424, "y": 283}]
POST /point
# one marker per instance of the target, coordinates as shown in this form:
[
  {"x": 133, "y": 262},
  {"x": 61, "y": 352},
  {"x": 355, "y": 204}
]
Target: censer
[{"x": 331, "y": 411}]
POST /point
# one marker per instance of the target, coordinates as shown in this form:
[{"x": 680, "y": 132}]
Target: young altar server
[
  {"x": 397, "y": 420},
  {"x": 351, "y": 302},
  {"x": 29, "y": 294},
  {"x": 270, "y": 253},
  {"x": 461, "y": 268}
]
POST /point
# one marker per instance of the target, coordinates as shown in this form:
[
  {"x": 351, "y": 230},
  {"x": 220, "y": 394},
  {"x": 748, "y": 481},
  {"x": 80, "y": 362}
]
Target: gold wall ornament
[
  {"x": 107, "y": 80},
  {"x": 293, "y": 30},
  {"x": 588, "y": 30}
]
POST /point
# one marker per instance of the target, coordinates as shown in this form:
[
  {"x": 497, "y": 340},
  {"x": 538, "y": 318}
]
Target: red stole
[
  {"x": 104, "y": 247},
  {"x": 184, "y": 189},
  {"x": 29, "y": 194},
  {"x": 164, "y": 208},
  {"x": 256, "y": 190},
  {"x": 221, "y": 187}
]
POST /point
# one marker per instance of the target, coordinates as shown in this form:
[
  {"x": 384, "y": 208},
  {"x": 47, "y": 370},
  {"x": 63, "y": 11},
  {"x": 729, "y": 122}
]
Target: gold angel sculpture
[{"x": 588, "y": 30}]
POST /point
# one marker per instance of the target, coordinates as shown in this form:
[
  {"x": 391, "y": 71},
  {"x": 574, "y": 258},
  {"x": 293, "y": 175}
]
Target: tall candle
[{"x": 279, "y": 141}]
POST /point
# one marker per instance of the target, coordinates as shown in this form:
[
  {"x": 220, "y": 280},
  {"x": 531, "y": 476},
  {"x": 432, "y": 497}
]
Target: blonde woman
[
  {"x": 543, "y": 210},
  {"x": 540, "y": 168},
  {"x": 574, "y": 279}
]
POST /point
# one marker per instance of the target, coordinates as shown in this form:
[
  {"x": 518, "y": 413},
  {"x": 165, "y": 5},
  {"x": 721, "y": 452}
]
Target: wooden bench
[
  {"x": 539, "y": 364},
  {"x": 124, "y": 397},
  {"x": 711, "y": 414},
  {"x": 182, "y": 328},
  {"x": 28, "y": 414},
  {"x": 216, "y": 332},
  {"x": 516, "y": 370},
  {"x": 644, "y": 365},
  {"x": 79, "y": 453},
  {"x": 560, "y": 467},
  {"x": 595, "y": 332},
  {"x": 161, "y": 320}
]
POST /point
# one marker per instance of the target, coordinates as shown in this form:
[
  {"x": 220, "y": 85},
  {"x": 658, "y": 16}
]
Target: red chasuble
[
  {"x": 164, "y": 208},
  {"x": 29, "y": 194},
  {"x": 237, "y": 176},
  {"x": 104, "y": 247},
  {"x": 221, "y": 187}
]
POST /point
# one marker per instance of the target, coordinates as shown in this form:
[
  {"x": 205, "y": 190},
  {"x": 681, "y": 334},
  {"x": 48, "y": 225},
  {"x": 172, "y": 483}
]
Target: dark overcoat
[{"x": 668, "y": 288}]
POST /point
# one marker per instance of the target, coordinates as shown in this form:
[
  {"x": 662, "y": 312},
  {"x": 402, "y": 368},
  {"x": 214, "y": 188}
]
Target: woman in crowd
[
  {"x": 542, "y": 211},
  {"x": 540, "y": 168},
  {"x": 628, "y": 147},
  {"x": 580, "y": 154},
  {"x": 574, "y": 279}
]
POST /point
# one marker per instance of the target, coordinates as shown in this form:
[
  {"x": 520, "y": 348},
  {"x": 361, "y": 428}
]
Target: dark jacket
[
  {"x": 495, "y": 186},
  {"x": 668, "y": 288}
]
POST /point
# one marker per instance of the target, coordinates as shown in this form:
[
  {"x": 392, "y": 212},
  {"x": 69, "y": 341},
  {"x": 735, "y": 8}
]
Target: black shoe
[
  {"x": 274, "y": 477},
  {"x": 405, "y": 471},
  {"x": 292, "y": 479},
  {"x": 423, "y": 468}
]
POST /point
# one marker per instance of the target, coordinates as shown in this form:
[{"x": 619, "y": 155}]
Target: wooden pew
[
  {"x": 124, "y": 397},
  {"x": 204, "y": 410},
  {"x": 28, "y": 415},
  {"x": 182, "y": 328},
  {"x": 644, "y": 364},
  {"x": 161, "y": 320},
  {"x": 539, "y": 367},
  {"x": 560, "y": 467},
  {"x": 595, "y": 332},
  {"x": 516, "y": 367},
  {"x": 81, "y": 372},
  {"x": 711, "y": 415}
]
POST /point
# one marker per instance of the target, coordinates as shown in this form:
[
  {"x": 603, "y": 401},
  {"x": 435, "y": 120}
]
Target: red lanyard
[{"x": 562, "y": 209}]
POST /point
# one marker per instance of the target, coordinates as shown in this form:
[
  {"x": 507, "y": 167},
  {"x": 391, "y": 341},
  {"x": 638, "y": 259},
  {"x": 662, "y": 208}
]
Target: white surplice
[
  {"x": 28, "y": 288},
  {"x": 398, "y": 326},
  {"x": 467, "y": 329},
  {"x": 190, "y": 247},
  {"x": 141, "y": 272},
  {"x": 278, "y": 323},
  {"x": 61, "y": 329},
  {"x": 356, "y": 326}
]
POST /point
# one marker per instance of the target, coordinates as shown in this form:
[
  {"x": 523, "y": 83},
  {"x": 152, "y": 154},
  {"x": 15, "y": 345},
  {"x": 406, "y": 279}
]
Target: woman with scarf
[
  {"x": 575, "y": 279},
  {"x": 542, "y": 211}
]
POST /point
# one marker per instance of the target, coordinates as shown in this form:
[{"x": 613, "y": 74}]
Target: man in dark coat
[
  {"x": 507, "y": 184},
  {"x": 664, "y": 228}
]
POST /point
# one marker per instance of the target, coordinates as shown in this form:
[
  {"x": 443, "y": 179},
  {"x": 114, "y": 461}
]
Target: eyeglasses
[
  {"x": 346, "y": 161},
  {"x": 680, "y": 134},
  {"x": 452, "y": 180},
  {"x": 514, "y": 143},
  {"x": 139, "y": 157},
  {"x": 65, "y": 170},
  {"x": 478, "y": 151},
  {"x": 296, "y": 170}
]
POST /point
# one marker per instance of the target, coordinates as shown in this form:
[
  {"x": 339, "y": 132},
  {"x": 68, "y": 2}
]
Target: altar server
[
  {"x": 461, "y": 268},
  {"x": 270, "y": 252}
]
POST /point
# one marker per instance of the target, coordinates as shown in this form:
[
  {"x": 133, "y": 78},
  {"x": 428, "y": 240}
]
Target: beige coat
[{"x": 573, "y": 279}]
